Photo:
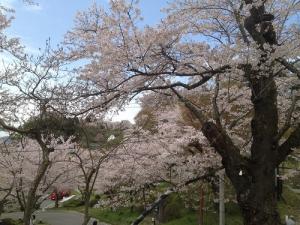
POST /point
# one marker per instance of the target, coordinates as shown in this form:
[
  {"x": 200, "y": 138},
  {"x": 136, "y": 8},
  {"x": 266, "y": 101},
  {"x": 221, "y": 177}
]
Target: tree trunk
[
  {"x": 20, "y": 201},
  {"x": 221, "y": 199},
  {"x": 253, "y": 178},
  {"x": 56, "y": 198},
  {"x": 21, "y": 196},
  {"x": 31, "y": 197},
  {"x": 87, "y": 198},
  {"x": 258, "y": 203},
  {"x": 161, "y": 211},
  {"x": 255, "y": 183},
  {"x": 131, "y": 194}
]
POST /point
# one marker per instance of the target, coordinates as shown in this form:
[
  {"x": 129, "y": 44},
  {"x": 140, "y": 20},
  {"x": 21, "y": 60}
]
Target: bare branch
[{"x": 286, "y": 148}]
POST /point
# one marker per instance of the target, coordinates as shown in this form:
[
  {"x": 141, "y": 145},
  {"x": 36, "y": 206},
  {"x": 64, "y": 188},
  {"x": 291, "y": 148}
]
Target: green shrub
[
  {"x": 93, "y": 202},
  {"x": 173, "y": 208},
  {"x": 73, "y": 203},
  {"x": 8, "y": 221}
]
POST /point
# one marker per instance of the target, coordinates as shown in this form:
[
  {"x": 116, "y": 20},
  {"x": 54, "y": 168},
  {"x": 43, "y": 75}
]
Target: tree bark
[
  {"x": 258, "y": 204},
  {"x": 20, "y": 201},
  {"x": 31, "y": 197},
  {"x": 87, "y": 217},
  {"x": 56, "y": 198},
  {"x": 253, "y": 178},
  {"x": 87, "y": 194},
  {"x": 221, "y": 199}
]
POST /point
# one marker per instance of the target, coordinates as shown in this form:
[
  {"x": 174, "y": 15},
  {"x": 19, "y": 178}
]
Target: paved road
[{"x": 54, "y": 217}]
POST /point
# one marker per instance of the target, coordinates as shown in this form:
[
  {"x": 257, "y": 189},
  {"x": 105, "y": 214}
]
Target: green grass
[
  {"x": 290, "y": 205},
  {"x": 8, "y": 221},
  {"x": 233, "y": 217},
  {"x": 189, "y": 219},
  {"x": 123, "y": 216}
]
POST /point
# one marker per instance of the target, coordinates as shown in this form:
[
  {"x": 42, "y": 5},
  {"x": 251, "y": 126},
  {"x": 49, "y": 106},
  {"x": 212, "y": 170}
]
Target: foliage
[
  {"x": 95, "y": 136},
  {"x": 72, "y": 203},
  {"x": 8, "y": 221},
  {"x": 173, "y": 208},
  {"x": 53, "y": 124}
]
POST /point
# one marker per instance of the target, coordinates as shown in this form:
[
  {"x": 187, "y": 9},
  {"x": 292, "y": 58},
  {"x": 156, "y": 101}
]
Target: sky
[
  {"x": 34, "y": 24},
  {"x": 53, "y": 18}
]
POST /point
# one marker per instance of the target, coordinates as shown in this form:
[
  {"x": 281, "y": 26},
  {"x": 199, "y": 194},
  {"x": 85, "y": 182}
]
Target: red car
[{"x": 59, "y": 195}]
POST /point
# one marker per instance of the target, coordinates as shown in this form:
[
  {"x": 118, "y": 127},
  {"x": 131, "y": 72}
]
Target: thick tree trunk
[
  {"x": 257, "y": 196},
  {"x": 253, "y": 178},
  {"x": 29, "y": 208},
  {"x": 258, "y": 202}
]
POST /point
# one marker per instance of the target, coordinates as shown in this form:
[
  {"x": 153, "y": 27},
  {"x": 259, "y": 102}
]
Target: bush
[
  {"x": 173, "y": 208},
  {"x": 93, "y": 202},
  {"x": 73, "y": 203},
  {"x": 8, "y": 221}
]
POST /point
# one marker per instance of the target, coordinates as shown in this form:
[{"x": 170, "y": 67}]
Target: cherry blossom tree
[
  {"x": 163, "y": 150},
  {"x": 28, "y": 90},
  {"x": 97, "y": 146},
  {"x": 27, "y": 158},
  {"x": 240, "y": 56},
  {"x": 8, "y": 175}
]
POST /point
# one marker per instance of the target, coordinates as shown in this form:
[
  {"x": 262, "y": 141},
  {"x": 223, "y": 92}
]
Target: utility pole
[
  {"x": 201, "y": 205},
  {"x": 221, "y": 199}
]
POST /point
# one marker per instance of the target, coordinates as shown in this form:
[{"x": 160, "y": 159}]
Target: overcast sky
[{"x": 34, "y": 24}]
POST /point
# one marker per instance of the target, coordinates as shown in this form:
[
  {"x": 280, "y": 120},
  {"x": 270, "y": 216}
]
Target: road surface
[{"x": 54, "y": 217}]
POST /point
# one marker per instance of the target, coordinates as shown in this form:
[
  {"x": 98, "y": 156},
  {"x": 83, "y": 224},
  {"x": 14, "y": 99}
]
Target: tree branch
[
  {"x": 286, "y": 148},
  {"x": 170, "y": 191},
  {"x": 289, "y": 66},
  {"x": 14, "y": 129},
  {"x": 288, "y": 118}
]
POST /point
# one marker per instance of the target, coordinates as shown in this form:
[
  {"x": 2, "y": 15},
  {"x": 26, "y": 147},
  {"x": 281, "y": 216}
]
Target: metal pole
[
  {"x": 201, "y": 204},
  {"x": 221, "y": 199}
]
